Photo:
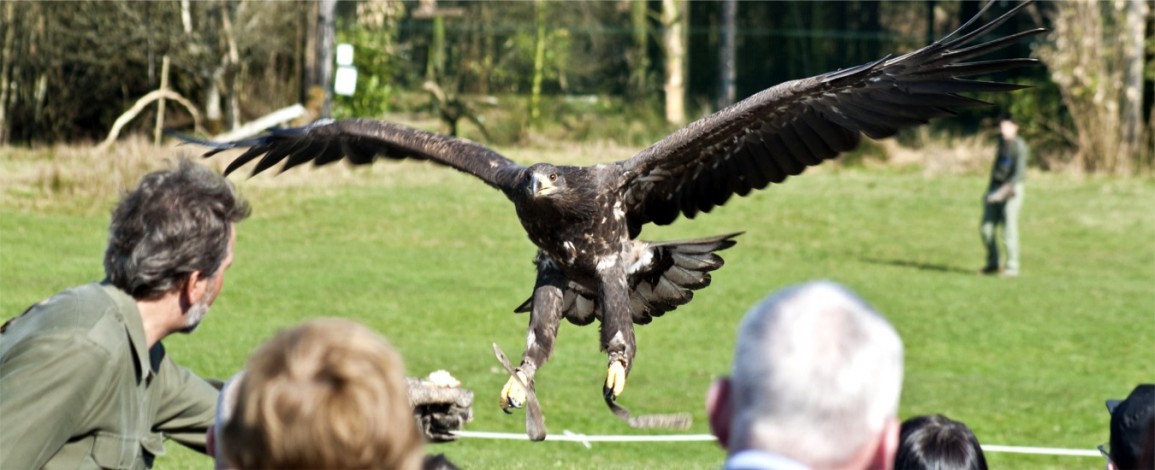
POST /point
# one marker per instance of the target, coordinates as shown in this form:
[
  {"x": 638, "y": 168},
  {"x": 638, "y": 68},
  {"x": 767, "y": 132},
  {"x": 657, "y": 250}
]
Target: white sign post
[{"x": 345, "y": 82}]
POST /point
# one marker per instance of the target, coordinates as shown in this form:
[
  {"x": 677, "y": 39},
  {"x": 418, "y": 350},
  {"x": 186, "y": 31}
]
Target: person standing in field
[
  {"x": 1003, "y": 200},
  {"x": 84, "y": 378}
]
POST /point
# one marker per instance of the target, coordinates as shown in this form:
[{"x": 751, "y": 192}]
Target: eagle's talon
[
  {"x": 615, "y": 380},
  {"x": 513, "y": 394}
]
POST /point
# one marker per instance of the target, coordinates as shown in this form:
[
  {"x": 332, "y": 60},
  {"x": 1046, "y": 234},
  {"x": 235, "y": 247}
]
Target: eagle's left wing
[
  {"x": 361, "y": 141},
  {"x": 782, "y": 130}
]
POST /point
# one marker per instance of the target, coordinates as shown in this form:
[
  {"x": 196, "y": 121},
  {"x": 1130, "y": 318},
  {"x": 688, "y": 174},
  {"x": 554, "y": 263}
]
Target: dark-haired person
[
  {"x": 1132, "y": 443},
  {"x": 1003, "y": 200},
  {"x": 940, "y": 443},
  {"x": 84, "y": 378}
]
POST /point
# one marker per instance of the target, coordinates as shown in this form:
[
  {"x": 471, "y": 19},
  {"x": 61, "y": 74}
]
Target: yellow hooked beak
[{"x": 541, "y": 186}]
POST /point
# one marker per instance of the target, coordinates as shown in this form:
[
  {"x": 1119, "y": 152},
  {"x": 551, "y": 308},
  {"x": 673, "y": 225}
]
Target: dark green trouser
[{"x": 1007, "y": 214}]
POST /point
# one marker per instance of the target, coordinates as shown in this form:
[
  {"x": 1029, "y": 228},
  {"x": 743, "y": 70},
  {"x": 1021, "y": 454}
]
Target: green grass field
[{"x": 437, "y": 262}]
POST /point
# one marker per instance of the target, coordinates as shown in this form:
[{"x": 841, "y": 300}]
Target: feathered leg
[
  {"x": 544, "y": 320},
  {"x": 617, "y": 334}
]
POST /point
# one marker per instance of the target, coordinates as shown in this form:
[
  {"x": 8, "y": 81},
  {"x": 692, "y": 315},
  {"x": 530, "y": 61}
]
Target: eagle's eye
[{"x": 553, "y": 176}]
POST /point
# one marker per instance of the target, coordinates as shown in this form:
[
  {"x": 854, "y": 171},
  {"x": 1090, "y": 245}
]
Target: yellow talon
[
  {"x": 513, "y": 394},
  {"x": 615, "y": 379}
]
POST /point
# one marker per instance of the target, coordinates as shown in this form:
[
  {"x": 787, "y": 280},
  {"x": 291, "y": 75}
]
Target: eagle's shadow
[{"x": 902, "y": 263}]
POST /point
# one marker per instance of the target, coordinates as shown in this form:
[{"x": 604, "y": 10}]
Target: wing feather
[
  {"x": 752, "y": 174},
  {"x": 361, "y": 142},
  {"x": 741, "y": 171},
  {"x": 773, "y": 146},
  {"x": 730, "y": 178},
  {"x": 782, "y": 130},
  {"x": 816, "y": 146},
  {"x": 797, "y": 151}
]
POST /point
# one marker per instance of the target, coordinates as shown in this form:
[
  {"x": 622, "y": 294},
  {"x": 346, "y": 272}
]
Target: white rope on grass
[
  {"x": 570, "y": 436},
  {"x": 1042, "y": 451}
]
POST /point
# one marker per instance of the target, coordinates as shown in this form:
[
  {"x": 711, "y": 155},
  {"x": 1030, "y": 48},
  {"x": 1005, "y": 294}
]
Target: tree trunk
[
  {"x": 213, "y": 103},
  {"x": 639, "y": 85},
  {"x": 435, "y": 65},
  {"x": 487, "y": 47},
  {"x": 674, "y": 20},
  {"x": 538, "y": 63},
  {"x": 727, "y": 69},
  {"x": 309, "y": 71},
  {"x": 7, "y": 17},
  {"x": 230, "y": 63},
  {"x": 326, "y": 37},
  {"x": 156, "y": 132},
  {"x": 186, "y": 17},
  {"x": 930, "y": 34},
  {"x": 1134, "y": 15}
]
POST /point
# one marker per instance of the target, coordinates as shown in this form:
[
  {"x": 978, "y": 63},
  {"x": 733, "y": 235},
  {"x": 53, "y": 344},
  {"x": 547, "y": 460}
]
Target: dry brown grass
[
  {"x": 77, "y": 178},
  {"x": 73, "y": 176},
  {"x": 942, "y": 155}
]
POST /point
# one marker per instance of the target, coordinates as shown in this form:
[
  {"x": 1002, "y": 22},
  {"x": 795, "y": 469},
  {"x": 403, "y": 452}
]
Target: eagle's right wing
[
  {"x": 361, "y": 141},
  {"x": 782, "y": 130}
]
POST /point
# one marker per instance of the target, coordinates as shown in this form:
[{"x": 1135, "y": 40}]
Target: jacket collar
[{"x": 134, "y": 325}]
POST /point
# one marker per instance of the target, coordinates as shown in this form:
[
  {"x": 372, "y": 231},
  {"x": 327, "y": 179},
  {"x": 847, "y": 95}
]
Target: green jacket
[
  {"x": 1010, "y": 164},
  {"x": 73, "y": 394}
]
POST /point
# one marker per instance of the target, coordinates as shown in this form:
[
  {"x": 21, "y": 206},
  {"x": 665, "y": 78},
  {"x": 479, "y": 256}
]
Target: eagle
[{"x": 585, "y": 220}]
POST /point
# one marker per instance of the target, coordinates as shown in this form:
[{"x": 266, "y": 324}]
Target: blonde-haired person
[{"x": 330, "y": 393}]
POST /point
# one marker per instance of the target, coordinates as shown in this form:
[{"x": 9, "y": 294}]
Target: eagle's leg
[
  {"x": 544, "y": 319},
  {"x": 617, "y": 333}
]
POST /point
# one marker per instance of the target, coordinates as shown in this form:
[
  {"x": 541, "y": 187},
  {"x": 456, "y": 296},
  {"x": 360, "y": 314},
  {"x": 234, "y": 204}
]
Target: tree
[
  {"x": 674, "y": 21},
  {"x": 538, "y": 61},
  {"x": 1135, "y": 14},
  {"x": 1094, "y": 50},
  {"x": 728, "y": 71},
  {"x": 67, "y": 73},
  {"x": 326, "y": 43},
  {"x": 638, "y": 56}
]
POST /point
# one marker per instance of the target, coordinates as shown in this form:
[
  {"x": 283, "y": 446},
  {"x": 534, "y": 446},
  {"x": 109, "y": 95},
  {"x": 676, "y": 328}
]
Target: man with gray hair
[
  {"x": 84, "y": 378},
  {"x": 815, "y": 384}
]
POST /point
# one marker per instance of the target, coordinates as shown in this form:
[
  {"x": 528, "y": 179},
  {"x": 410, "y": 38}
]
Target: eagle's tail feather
[
  {"x": 673, "y": 272},
  {"x": 664, "y": 277}
]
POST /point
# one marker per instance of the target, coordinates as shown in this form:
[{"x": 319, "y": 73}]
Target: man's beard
[{"x": 193, "y": 318}]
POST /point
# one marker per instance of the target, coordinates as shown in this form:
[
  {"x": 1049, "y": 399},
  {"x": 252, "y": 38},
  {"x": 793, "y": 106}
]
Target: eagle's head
[{"x": 545, "y": 180}]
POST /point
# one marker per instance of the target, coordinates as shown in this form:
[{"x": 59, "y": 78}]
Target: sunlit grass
[{"x": 436, "y": 261}]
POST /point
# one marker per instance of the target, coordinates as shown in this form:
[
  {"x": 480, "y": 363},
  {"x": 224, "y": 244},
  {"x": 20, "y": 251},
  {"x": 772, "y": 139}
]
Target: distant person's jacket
[{"x": 1010, "y": 164}]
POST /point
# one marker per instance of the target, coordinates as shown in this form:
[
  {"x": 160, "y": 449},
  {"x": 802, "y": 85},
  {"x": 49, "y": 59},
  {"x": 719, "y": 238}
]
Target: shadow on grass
[{"x": 942, "y": 268}]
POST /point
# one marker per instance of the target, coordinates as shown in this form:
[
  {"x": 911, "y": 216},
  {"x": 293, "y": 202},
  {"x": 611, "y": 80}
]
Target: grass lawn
[{"x": 437, "y": 262}]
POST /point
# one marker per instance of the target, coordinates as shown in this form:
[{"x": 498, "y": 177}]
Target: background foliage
[{"x": 68, "y": 72}]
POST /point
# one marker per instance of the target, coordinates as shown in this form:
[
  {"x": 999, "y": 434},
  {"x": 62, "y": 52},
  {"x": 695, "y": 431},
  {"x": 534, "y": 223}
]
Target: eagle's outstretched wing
[
  {"x": 782, "y": 130},
  {"x": 360, "y": 141}
]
